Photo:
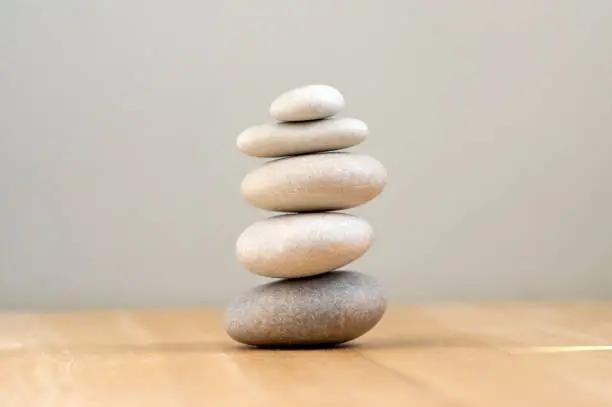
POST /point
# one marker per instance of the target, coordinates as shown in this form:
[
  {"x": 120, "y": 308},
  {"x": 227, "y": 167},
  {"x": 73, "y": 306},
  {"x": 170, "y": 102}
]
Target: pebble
[
  {"x": 327, "y": 309},
  {"x": 283, "y": 139},
  {"x": 310, "y": 102},
  {"x": 315, "y": 182},
  {"x": 290, "y": 246}
]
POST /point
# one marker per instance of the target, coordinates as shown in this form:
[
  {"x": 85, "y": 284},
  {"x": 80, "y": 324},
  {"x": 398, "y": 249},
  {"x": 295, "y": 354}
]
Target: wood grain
[{"x": 514, "y": 354}]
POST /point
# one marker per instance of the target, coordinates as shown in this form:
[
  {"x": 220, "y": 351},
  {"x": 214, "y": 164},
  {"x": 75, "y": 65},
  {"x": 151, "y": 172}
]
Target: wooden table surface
[{"x": 481, "y": 355}]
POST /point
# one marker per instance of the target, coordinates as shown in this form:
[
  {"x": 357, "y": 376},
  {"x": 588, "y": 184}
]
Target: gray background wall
[{"x": 119, "y": 174}]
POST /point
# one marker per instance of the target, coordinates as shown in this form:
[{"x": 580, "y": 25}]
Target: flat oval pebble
[
  {"x": 290, "y": 246},
  {"x": 283, "y": 139},
  {"x": 327, "y": 309},
  {"x": 316, "y": 182},
  {"x": 310, "y": 102}
]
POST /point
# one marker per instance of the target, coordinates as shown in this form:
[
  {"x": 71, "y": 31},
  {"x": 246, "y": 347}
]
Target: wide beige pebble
[
  {"x": 315, "y": 182},
  {"x": 283, "y": 139},
  {"x": 301, "y": 245},
  {"x": 310, "y": 102},
  {"x": 327, "y": 309}
]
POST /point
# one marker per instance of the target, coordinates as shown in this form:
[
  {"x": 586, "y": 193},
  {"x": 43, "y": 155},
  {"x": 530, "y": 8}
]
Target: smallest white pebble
[{"x": 312, "y": 102}]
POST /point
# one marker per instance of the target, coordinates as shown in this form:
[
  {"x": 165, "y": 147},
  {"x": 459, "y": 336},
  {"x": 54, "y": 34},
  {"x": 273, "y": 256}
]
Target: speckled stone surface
[
  {"x": 315, "y": 182},
  {"x": 326, "y": 309},
  {"x": 284, "y": 139},
  {"x": 290, "y": 246},
  {"x": 309, "y": 102}
]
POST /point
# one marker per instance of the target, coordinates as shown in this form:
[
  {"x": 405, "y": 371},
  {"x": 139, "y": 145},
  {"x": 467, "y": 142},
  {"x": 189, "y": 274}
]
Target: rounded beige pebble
[
  {"x": 283, "y": 139},
  {"x": 290, "y": 246},
  {"x": 316, "y": 182},
  {"x": 327, "y": 309},
  {"x": 310, "y": 102}
]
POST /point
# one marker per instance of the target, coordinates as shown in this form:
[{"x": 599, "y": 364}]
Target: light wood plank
[{"x": 462, "y": 355}]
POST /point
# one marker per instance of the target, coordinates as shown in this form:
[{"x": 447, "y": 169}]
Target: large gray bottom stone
[{"x": 326, "y": 309}]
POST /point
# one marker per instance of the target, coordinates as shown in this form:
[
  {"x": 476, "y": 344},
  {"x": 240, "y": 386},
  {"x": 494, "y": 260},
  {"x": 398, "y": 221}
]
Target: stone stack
[{"x": 311, "y": 302}]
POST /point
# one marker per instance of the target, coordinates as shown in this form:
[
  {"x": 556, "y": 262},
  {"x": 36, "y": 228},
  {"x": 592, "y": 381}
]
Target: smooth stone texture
[
  {"x": 327, "y": 309},
  {"x": 283, "y": 139},
  {"x": 310, "y": 102},
  {"x": 290, "y": 246},
  {"x": 316, "y": 182}
]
